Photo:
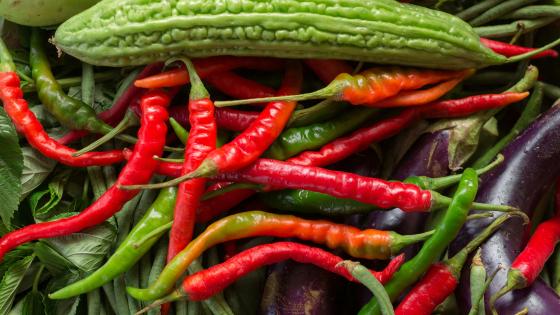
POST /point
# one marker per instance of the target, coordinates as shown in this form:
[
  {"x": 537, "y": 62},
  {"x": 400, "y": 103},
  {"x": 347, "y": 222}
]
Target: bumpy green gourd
[{"x": 134, "y": 32}]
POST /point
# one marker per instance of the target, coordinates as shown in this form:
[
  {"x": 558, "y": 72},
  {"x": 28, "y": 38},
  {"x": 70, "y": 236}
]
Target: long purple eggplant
[
  {"x": 532, "y": 163},
  {"x": 294, "y": 288}
]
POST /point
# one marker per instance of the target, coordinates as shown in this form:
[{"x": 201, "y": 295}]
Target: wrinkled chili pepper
[
  {"x": 442, "y": 278},
  {"x": 139, "y": 169},
  {"x": 201, "y": 141},
  {"x": 374, "y": 191},
  {"x": 208, "y": 66},
  {"x": 226, "y": 118},
  {"x": 434, "y": 247},
  {"x": 530, "y": 262},
  {"x": 510, "y": 50},
  {"x": 27, "y": 123},
  {"x": 362, "y": 244},
  {"x": 251, "y": 143},
  {"x": 131, "y": 249},
  {"x": 368, "y": 87},
  {"x": 206, "y": 283}
]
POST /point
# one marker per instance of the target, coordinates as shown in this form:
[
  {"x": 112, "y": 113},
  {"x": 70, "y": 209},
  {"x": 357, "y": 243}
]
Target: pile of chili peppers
[{"x": 205, "y": 197}]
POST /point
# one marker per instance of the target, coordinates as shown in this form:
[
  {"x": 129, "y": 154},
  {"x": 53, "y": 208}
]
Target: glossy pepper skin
[
  {"x": 201, "y": 141},
  {"x": 363, "y": 244},
  {"x": 139, "y": 169},
  {"x": 27, "y": 123},
  {"x": 442, "y": 278},
  {"x": 434, "y": 247},
  {"x": 130, "y": 250},
  {"x": 206, "y": 283},
  {"x": 70, "y": 112},
  {"x": 251, "y": 143}
]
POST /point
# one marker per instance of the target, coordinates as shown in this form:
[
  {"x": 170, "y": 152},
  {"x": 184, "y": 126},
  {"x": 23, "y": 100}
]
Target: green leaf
[
  {"x": 87, "y": 249},
  {"x": 11, "y": 165},
  {"x": 11, "y": 281},
  {"x": 33, "y": 303},
  {"x": 42, "y": 211},
  {"x": 36, "y": 168},
  {"x": 53, "y": 261},
  {"x": 14, "y": 255}
]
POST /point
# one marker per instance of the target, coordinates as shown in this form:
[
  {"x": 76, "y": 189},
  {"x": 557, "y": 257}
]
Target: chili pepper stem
[
  {"x": 129, "y": 120},
  {"x": 440, "y": 201},
  {"x": 207, "y": 168},
  {"x": 405, "y": 240},
  {"x": 172, "y": 297},
  {"x": 326, "y": 92},
  {"x": 515, "y": 280},
  {"x": 533, "y": 53},
  {"x": 198, "y": 91},
  {"x": 363, "y": 275},
  {"x": 444, "y": 182}
]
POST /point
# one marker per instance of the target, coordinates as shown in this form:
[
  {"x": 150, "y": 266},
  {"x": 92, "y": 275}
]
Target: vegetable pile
[{"x": 279, "y": 157}]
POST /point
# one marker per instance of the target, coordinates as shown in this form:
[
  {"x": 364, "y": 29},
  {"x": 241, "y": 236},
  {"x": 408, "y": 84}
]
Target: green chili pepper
[
  {"x": 322, "y": 111},
  {"x": 534, "y": 11},
  {"x": 434, "y": 247},
  {"x": 130, "y": 250},
  {"x": 296, "y": 140}
]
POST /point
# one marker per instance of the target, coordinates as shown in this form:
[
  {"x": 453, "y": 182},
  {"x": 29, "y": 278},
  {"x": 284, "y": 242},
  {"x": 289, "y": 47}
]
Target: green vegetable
[
  {"x": 134, "y": 32},
  {"x": 42, "y": 12}
]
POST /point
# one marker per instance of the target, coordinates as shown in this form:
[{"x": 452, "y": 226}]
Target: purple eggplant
[
  {"x": 532, "y": 163},
  {"x": 427, "y": 157},
  {"x": 294, "y": 288}
]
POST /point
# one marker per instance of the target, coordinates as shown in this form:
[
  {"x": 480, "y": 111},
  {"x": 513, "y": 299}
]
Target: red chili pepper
[
  {"x": 442, "y": 278},
  {"x": 530, "y": 262},
  {"x": 27, "y": 123},
  {"x": 201, "y": 141},
  {"x": 226, "y": 118},
  {"x": 138, "y": 170},
  {"x": 206, "y": 283},
  {"x": 211, "y": 208},
  {"x": 207, "y": 66},
  {"x": 419, "y": 97},
  {"x": 328, "y": 69},
  {"x": 238, "y": 87},
  {"x": 252, "y": 142},
  {"x": 469, "y": 105},
  {"x": 510, "y": 50}
]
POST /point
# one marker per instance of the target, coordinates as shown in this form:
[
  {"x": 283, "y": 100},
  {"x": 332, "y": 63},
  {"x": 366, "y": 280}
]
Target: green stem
[
  {"x": 128, "y": 120},
  {"x": 74, "y": 81},
  {"x": 533, "y": 12},
  {"x": 198, "y": 91},
  {"x": 534, "y": 52},
  {"x": 530, "y": 112},
  {"x": 439, "y": 201},
  {"x": 498, "y": 11},
  {"x": 180, "y": 132},
  {"x": 365, "y": 277},
  {"x": 37, "y": 278},
  {"x": 478, "y": 306},
  {"x": 551, "y": 90},
  {"x": 505, "y": 30},
  {"x": 477, "y": 9}
]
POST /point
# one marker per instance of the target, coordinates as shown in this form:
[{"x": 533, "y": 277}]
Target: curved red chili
[
  {"x": 215, "y": 279},
  {"x": 139, "y": 169},
  {"x": 201, "y": 141},
  {"x": 510, "y": 50},
  {"x": 238, "y": 87},
  {"x": 252, "y": 142},
  {"x": 27, "y": 123},
  {"x": 226, "y": 118}
]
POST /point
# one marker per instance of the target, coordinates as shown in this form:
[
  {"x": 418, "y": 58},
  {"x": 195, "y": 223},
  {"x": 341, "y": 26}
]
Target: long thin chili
[
  {"x": 139, "y": 169},
  {"x": 358, "y": 243},
  {"x": 201, "y": 141},
  {"x": 368, "y": 87}
]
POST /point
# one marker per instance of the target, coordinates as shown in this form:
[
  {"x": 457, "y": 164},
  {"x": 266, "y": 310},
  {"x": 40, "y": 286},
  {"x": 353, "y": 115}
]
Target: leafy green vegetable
[
  {"x": 33, "y": 303},
  {"x": 11, "y": 165},
  {"x": 36, "y": 168},
  {"x": 11, "y": 281},
  {"x": 42, "y": 211}
]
